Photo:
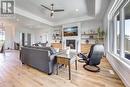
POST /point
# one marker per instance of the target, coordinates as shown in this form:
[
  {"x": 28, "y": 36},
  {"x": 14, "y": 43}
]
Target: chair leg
[
  {"x": 91, "y": 68},
  {"x": 81, "y": 60}
]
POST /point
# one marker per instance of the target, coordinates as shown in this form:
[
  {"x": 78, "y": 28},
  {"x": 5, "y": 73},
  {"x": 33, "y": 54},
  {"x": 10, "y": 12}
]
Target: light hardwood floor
[{"x": 14, "y": 74}]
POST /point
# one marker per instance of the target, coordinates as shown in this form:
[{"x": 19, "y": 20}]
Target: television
[{"x": 70, "y": 31}]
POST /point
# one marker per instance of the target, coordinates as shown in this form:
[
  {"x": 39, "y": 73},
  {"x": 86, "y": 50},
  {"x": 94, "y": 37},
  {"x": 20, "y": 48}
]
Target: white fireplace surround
[{"x": 76, "y": 38}]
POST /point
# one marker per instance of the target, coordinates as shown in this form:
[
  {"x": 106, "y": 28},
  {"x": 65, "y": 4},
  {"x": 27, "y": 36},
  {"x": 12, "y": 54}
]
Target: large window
[
  {"x": 121, "y": 29},
  {"x": 127, "y": 31},
  {"x": 117, "y": 33},
  {"x": 111, "y": 36},
  {"x": 2, "y": 37}
]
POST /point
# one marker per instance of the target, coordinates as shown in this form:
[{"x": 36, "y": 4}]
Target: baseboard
[{"x": 118, "y": 73}]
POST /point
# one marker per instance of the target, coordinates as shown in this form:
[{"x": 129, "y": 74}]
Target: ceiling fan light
[
  {"x": 76, "y": 10},
  {"x": 52, "y": 11}
]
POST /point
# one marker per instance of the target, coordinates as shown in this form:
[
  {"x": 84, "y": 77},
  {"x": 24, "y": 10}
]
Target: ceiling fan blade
[
  {"x": 45, "y": 7},
  {"x": 58, "y": 10},
  {"x": 51, "y": 14}
]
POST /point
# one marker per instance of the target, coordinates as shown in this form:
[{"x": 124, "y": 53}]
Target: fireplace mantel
[{"x": 76, "y": 38}]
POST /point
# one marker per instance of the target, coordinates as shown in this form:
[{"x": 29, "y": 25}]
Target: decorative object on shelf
[
  {"x": 101, "y": 33},
  {"x": 57, "y": 35},
  {"x": 87, "y": 41},
  {"x": 67, "y": 50},
  {"x": 60, "y": 41}
]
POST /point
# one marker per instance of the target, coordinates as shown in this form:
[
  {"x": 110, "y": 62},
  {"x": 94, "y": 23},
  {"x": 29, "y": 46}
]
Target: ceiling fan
[{"x": 52, "y": 9}]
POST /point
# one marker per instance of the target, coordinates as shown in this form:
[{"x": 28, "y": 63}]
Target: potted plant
[{"x": 101, "y": 33}]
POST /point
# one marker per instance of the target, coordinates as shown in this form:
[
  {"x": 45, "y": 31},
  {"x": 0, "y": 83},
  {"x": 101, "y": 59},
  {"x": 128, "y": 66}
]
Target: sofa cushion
[{"x": 52, "y": 50}]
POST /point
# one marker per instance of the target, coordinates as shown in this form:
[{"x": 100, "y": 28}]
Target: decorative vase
[{"x": 68, "y": 50}]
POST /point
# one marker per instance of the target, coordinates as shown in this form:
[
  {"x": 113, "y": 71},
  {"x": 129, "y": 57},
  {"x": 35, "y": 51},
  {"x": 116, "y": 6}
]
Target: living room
[{"x": 40, "y": 40}]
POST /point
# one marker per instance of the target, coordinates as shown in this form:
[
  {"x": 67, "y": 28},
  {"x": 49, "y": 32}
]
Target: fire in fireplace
[{"x": 71, "y": 44}]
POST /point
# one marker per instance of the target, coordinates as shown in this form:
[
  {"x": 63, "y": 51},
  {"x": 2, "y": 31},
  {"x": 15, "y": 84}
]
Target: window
[
  {"x": 117, "y": 30},
  {"x": 120, "y": 35},
  {"x": 2, "y": 37},
  {"x": 127, "y": 31},
  {"x": 111, "y": 36}
]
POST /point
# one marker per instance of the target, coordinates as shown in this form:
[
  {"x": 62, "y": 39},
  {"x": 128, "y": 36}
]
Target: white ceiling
[
  {"x": 23, "y": 22},
  {"x": 29, "y": 23},
  {"x": 69, "y": 6},
  {"x": 34, "y": 20},
  {"x": 34, "y": 7}
]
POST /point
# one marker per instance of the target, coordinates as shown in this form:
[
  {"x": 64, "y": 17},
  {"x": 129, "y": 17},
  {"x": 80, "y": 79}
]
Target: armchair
[{"x": 94, "y": 57}]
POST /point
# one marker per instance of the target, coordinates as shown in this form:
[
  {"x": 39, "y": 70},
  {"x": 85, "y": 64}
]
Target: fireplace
[{"x": 71, "y": 44}]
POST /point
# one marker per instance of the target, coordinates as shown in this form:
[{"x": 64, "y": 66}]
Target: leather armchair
[{"x": 94, "y": 57}]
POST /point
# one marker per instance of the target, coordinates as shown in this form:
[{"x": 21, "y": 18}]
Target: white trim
[
  {"x": 32, "y": 16},
  {"x": 114, "y": 67},
  {"x": 35, "y": 17},
  {"x": 122, "y": 60},
  {"x": 122, "y": 32},
  {"x": 72, "y": 20},
  {"x": 109, "y": 18},
  {"x": 115, "y": 34},
  {"x": 115, "y": 7}
]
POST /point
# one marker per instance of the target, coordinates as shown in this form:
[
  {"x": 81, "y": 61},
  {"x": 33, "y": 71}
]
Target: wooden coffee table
[{"x": 67, "y": 60}]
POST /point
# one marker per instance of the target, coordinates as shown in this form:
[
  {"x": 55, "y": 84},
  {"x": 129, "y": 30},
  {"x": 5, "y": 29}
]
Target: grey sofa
[{"x": 42, "y": 59}]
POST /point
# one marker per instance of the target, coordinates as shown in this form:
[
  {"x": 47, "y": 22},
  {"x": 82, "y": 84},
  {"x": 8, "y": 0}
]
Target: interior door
[
  {"x": 29, "y": 39},
  {"x": 23, "y": 39}
]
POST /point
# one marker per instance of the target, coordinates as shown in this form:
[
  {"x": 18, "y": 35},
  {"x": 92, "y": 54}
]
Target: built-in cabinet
[
  {"x": 83, "y": 40},
  {"x": 57, "y": 45},
  {"x": 57, "y": 36},
  {"x": 85, "y": 48}
]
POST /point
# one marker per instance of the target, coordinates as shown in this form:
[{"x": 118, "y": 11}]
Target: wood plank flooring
[{"x": 14, "y": 74}]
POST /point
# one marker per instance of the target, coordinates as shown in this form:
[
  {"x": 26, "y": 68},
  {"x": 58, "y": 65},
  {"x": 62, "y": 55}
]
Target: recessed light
[{"x": 76, "y": 10}]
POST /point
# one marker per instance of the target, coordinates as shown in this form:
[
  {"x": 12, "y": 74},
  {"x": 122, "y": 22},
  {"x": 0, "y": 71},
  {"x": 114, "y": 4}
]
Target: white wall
[
  {"x": 12, "y": 34},
  {"x": 9, "y": 34},
  {"x": 93, "y": 25},
  {"x": 25, "y": 30},
  {"x": 77, "y": 38},
  {"x": 88, "y": 26},
  {"x": 120, "y": 65},
  {"x": 43, "y": 35},
  {"x": 85, "y": 26}
]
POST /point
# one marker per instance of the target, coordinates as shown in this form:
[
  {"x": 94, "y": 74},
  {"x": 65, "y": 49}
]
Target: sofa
[{"x": 41, "y": 58}]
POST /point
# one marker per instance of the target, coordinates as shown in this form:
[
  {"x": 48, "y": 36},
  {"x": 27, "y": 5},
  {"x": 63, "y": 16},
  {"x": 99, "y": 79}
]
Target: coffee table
[{"x": 67, "y": 60}]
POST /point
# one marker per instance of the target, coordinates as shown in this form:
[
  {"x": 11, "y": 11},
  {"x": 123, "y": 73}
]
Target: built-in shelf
[
  {"x": 90, "y": 34},
  {"x": 91, "y": 37}
]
